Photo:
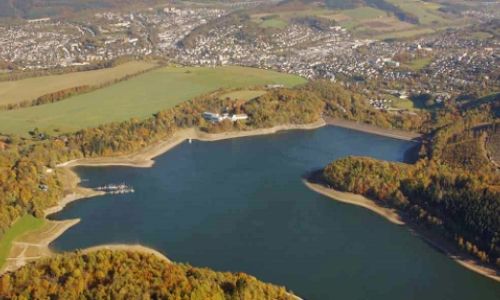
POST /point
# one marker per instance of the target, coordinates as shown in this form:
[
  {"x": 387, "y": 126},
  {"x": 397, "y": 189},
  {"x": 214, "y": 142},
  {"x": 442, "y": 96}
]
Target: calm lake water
[{"x": 240, "y": 205}]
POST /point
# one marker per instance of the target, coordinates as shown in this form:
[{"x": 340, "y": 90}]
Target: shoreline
[
  {"x": 37, "y": 242},
  {"x": 389, "y": 214},
  {"x": 128, "y": 247},
  {"x": 372, "y": 129},
  {"x": 144, "y": 157},
  {"x": 393, "y": 216},
  {"x": 34, "y": 245}
]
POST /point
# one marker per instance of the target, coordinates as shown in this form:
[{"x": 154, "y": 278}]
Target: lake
[{"x": 240, "y": 205}]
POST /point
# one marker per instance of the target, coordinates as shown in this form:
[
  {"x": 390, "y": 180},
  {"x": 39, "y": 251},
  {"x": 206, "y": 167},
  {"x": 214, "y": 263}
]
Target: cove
[{"x": 240, "y": 205}]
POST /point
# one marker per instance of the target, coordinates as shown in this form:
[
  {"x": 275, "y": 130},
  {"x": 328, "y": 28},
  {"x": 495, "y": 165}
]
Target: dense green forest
[
  {"x": 107, "y": 274},
  {"x": 453, "y": 190}
]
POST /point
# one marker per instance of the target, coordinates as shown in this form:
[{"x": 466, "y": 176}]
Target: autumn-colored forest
[
  {"x": 448, "y": 188},
  {"x": 453, "y": 189},
  {"x": 107, "y": 274}
]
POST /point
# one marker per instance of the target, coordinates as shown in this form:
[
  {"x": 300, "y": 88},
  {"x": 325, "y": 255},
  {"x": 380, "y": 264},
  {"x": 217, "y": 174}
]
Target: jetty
[{"x": 115, "y": 189}]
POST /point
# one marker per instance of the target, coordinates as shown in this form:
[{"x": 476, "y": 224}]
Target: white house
[{"x": 216, "y": 118}]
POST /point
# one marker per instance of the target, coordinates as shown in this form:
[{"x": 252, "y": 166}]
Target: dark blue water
[{"x": 240, "y": 205}]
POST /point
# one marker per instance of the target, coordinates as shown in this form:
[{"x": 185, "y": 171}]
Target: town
[
  {"x": 444, "y": 64},
  {"x": 190, "y": 149}
]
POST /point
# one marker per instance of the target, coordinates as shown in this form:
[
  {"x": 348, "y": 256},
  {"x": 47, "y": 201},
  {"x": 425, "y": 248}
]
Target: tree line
[
  {"x": 107, "y": 274},
  {"x": 30, "y": 181},
  {"x": 452, "y": 190},
  {"x": 25, "y": 163},
  {"x": 70, "y": 92}
]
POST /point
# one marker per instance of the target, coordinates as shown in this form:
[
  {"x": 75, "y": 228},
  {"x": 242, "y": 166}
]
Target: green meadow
[
  {"x": 32, "y": 88},
  {"x": 426, "y": 12},
  {"x": 138, "y": 97},
  {"x": 419, "y": 64},
  {"x": 23, "y": 225},
  {"x": 244, "y": 95}
]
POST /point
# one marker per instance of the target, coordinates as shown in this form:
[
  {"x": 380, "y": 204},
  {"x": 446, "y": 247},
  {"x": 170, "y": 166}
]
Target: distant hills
[
  {"x": 46, "y": 8},
  {"x": 347, "y": 4},
  {"x": 30, "y": 9}
]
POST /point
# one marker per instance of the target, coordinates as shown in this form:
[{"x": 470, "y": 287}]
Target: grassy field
[
  {"x": 243, "y": 94},
  {"x": 364, "y": 21},
  {"x": 282, "y": 19},
  {"x": 419, "y": 64},
  {"x": 482, "y": 36},
  {"x": 368, "y": 22},
  {"x": 405, "y": 33},
  {"x": 138, "y": 97},
  {"x": 403, "y": 104},
  {"x": 364, "y": 13},
  {"x": 346, "y": 18},
  {"x": 426, "y": 12},
  {"x": 23, "y": 225},
  {"x": 273, "y": 22},
  {"x": 32, "y": 88}
]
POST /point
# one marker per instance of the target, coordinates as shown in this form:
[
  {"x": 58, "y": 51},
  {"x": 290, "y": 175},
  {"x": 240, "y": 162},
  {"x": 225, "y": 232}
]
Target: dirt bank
[
  {"x": 393, "y": 216},
  {"x": 35, "y": 245},
  {"x": 391, "y": 133},
  {"x": 144, "y": 158}
]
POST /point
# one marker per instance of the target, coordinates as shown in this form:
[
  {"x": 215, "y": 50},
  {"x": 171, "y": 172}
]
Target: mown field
[
  {"x": 32, "y": 88},
  {"x": 23, "y": 225},
  {"x": 243, "y": 94},
  {"x": 138, "y": 97},
  {"x": 365, "y": 21},
  {"x": 418, "y": 64},
  {"x": 426, "y": 12}
]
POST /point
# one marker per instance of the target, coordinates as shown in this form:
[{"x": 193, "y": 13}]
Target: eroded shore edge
[
  {"x": 392, "y": 215},
  {"x": 38, "y": 241},
  {"x": 141, "y": 159},
  {"x": 144, "y": 159}
]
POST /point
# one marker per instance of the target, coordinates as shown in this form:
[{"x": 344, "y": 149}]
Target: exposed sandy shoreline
[
  {"x": 446, "y": 247},
  {"x": 390, "y": 214},
  {"x": 387, "y": 132},
  {"x": 35, "y": 245},
  {"x": 144, "y": 158}
]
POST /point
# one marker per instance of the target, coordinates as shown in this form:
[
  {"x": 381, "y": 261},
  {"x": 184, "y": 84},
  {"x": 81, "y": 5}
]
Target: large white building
[{"x": 216, "y": 118}]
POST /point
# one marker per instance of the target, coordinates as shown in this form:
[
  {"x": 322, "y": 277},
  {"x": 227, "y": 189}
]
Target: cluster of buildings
[
  {"x": 458, "y": 59},
  {"x": 47, "y": 43},
  {"x": 217, "y": 118},
  {"x": 295, "y": 49},
  {"x": 380, "y": 104}
]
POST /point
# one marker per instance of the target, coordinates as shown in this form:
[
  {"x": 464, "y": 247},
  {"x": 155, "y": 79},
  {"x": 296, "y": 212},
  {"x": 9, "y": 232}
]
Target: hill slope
[
  {"x": 129, "y": 275},
  {"x": 347, "y": 4},
  {"x": 44, "y": 8}
]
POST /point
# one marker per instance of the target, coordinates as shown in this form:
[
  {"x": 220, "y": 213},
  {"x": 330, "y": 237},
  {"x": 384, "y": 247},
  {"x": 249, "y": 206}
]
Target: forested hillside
[
  {"x": 109, "y": 274},
  {"x": 453, "y": 190},
  {"x": 24, "y": 162}
]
